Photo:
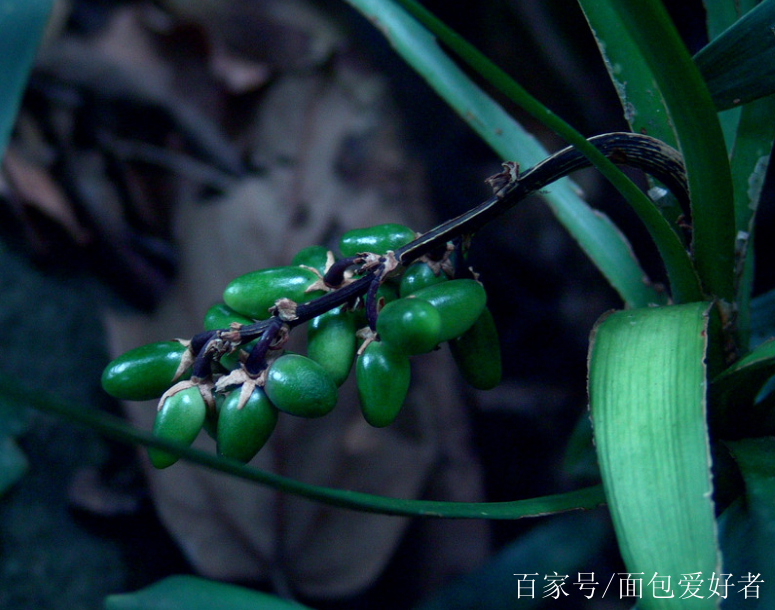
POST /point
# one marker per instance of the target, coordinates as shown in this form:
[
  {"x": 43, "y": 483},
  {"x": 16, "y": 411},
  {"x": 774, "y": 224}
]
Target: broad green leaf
[
  {"x": 647, "y": 400},
  {"x": 13, "y": 463},
  {"x": 739, "y": 64},
  {"x": 597, "y": 237},
  {"x": 21, "y": 28},
  {"x": 700, "y": 140},
  {"x": 192, "y": 593},
  {"x": 117, "y": 428}
]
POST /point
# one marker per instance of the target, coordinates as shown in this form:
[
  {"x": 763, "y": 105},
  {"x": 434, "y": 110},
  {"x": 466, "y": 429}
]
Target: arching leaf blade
[{"x": 647, "y": 400}]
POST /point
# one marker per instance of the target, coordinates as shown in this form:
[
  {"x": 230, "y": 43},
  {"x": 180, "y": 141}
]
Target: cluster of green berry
[{"x": 364, "y": 308}]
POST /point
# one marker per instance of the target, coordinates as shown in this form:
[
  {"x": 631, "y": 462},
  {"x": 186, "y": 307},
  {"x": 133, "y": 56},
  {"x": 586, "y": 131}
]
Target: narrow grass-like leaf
[
  {"x": 194, "y": 593},
  {"x": 647, "y": 400},
  {"x": 700, "y": 140},
  {"x": 749, "y": 132},
  {"x": 115, "y": 427},
  {"x": 21, "y": 28},
  {"x": 719, "y": 15},
  {"x": 642, "y": 101},
  {"x": 739, "y": 64},
  {"x": 596, "y": 236},
  {"x": 644, "y": 106},
  {"x": 683, "y": 278}
]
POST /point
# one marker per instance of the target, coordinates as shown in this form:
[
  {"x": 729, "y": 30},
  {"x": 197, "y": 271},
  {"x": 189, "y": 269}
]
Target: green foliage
[{"x": 668, "y": 383}]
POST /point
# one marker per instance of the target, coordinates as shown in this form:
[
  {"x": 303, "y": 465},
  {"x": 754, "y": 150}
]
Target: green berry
[
  {"x": 242, "y": 431},
  {"x": 377, "y": 239},
  {"x": 331, "y": 342},
  {"x": 144, "y": 372},
  {"x": 409, "y": 326},
  {"x": 254, "y": 293},
  {"x": 477, "y": 353},
  {"x": 300, "y": 386},
  {"x": 418, "y": 276},
  {"x": 459, "y": 302},
  {"x": 382, "y": 378},
  {"x": 179, "y": 419}
]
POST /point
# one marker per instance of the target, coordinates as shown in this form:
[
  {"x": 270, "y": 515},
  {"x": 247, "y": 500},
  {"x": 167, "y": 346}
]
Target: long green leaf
[
  {"x": 700, "y": 139},
  {"x": 642, "y": 101},
  {"x": 739, "y": 64},
  {"x": 644, "y": 105},
  {"x": 596, "y": 236},
  {"x": 104, "y": 423},
  {"x": 647, "y": 400},
  {"x": 21, "y": 28}
]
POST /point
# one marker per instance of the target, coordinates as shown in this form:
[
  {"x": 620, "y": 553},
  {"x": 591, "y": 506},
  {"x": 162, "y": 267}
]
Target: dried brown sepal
[
  {"x": 445, "y": 264},
  {"x": 366, "y": 335},
  {"x": 504, "y": 179},
  {"x": 186, "y": 360},
  {"x": 178, "y": 387},
  {"x": 285, "y": 310}
]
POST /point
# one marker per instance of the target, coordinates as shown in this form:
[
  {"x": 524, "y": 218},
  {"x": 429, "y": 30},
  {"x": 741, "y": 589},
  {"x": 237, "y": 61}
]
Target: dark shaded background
[{"x": 544, "y": 294}]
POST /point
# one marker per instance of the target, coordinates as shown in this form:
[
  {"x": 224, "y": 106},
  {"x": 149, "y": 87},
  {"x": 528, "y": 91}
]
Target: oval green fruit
[
  {"x": 459, "y": 302},
  {"x": 144, "y": 372},
  {"x": 409, "y": 326},
  {"x": 241, "y": 432},
  {"x": 331, "y": 342},
  {"x": 312, "y": 256},
  {"x": 418, "y": 276},
  {"x": 382, "y": 377},
  {"x": 300, "y": 386},
  {"x": 254, "y": 293},
  {"x": 180, "y": 419},
  {"x": 377, "y": 239},
  {"x": 221, "y": 315},
  {"x": 477, "y": 353}
]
